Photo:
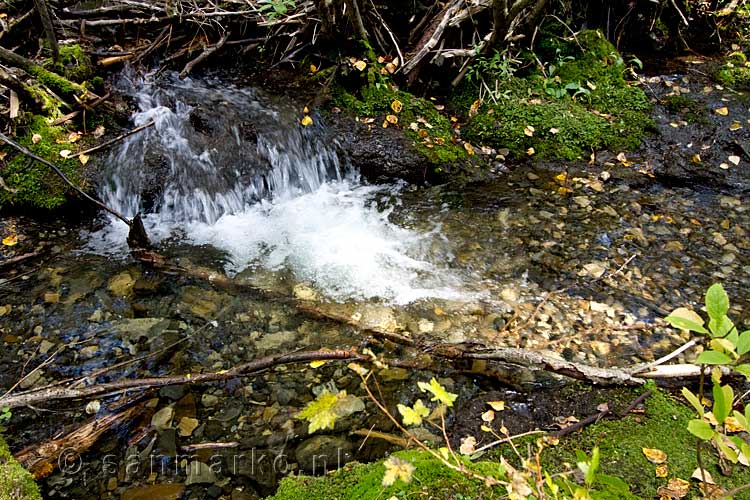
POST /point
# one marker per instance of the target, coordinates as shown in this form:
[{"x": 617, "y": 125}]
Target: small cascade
[{"x": 232, "y": 168}]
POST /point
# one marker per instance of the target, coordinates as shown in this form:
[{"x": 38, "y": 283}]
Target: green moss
[
  {"x": 664, "y": 426},
  {"x": 584, "y": 96},
  {"x": 35, "y": 185},
  {"x": 364, "y": 481},
  {"x": 690, "y": 110},
  {"x": 15, "y": 482},
  {"x": 735, "y": 72},
  {"x": 74, "y": 63},
  {"x": 433, "y": 136}
]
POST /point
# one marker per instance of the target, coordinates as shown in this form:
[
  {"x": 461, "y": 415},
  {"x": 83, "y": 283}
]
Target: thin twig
[{"x": 113, "y": 141}]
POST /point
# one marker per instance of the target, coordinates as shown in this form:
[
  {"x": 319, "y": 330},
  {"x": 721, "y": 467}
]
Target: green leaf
[
  {"x": 723, "y": 398},
  {"x": 743, "y": 369},
  {"x": 686, "y": 319},
  {"x": 713, "y": 358},
  {"x": 741, "y": 420},
  {"x": 720, "y": 327},
  {"x": 725, "y": 450},
  {"x": 743, "y": 343},
  {"x": 593, "y": 466},
  {"x": 717, "y": 301},
  {"x": 327, "y": 407},
  {"x": 693, "y": 400},
  {"x": 700, "y": 429},
  {"x": 438, "y": 391}
]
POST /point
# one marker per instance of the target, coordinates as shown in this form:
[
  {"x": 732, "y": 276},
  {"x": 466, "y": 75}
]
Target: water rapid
[{"x": 231, "y": 167}]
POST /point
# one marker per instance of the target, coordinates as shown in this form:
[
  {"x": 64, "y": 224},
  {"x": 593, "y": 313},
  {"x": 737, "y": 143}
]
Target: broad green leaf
[
  {"x": 743, "y": 343},
  {"x": 717, "y": 301},
  {"x": 722, "y": 345},
  {"x": 725, "y": 450},
  {"x": 593, "y": 466},
  {"x": 722, "y": 407},
  {"x": 438, "y": 391},
  {"x": 413, "y": 415},
  {"x": 743, "y": 369},
  {"x": 693, "y": 400},
  {"x": 700, "y": 429},
  {"x": 720, "y": 327},
  {"x": 713, "y": 358},
  {"x": 686, "y": 319},
  {"x": 741, "y": 420}
]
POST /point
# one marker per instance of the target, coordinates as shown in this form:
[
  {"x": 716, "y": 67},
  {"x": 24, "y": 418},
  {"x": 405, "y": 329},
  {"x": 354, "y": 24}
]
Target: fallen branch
[
  {"x": 604, "y": 413},
  {"x": 12, "y": 261},
  {"x": 207, "y": 51},
  {"x": 115, "y": 140},
  {"x": 431, "y": 37},
  {"x": 42, "y": 460},
  {"x": 43, "y": 395}
]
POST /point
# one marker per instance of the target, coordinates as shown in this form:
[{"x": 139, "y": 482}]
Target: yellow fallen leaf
[
  {"x": 396, "y": 468},
  {"x": 84, "y": 159},
  {"x": 497, "y": 405},
  {"x": 390, "y": 68},
  {"x": 675, "y": 488},
  {"x": 360, "y": 65},
  {"x": 306, "y": 110},
  {"x": 674, "y": 125},
  {"x": 385, "y": 124},
  {"x": 36, "y": 138},
  {"x": 662, "y": 470},
  {"x": 731, "y": 425},
  {"x": 735, "y": 126},
  {"x": 414, "y": 126},
  {"x": 313, "y": 69},
  {"x": 530, "y": 151},
  {"x": 469, "y": 148},
  {"x": 654, "y": 455},
  {"x": 392, "y": 119},
  {"x": 468, "y": 445},
  {"x": 528, "y": 130},
  {"x": 306, "y": 121},
  {"x": 358, "y": 369},
  {"x": 11, "y": 240},
  {"x": 318, "y": 363},
  {"x": 73, "y": 137},
  {"x": 723, "y": 111},
  {"x": 474, "y": 109},
  {"x": 396, "y": 106},
  {"x": 701, "y": 475},
  {"x": 65, "y": 153},
  {"x": 488, "y": 416},
  {"x": 98, "y": 131}
]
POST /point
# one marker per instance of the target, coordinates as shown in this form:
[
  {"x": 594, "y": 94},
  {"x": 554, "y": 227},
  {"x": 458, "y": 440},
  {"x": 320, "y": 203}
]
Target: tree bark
[{"x": 49, "y": 29}]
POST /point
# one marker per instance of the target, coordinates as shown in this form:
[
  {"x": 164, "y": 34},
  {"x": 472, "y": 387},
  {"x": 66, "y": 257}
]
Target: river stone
[
  {"x": 185, "y": 407},
  {"x": 209, "y": 400},
  {"x": 121, "y": 285},
  {"x": 199, "y": 473},
  {"x": 321, "y": 454},
  {"x": 272, "y": 341},
  {"x": 138, "y": 328},
  {"x": 154, "y": 492},
  {"x": 52, "y": 297},
  {"x": 162, "y": 419},
  {"x": 186, "y": 426},
  {"x": 201, "y": 302}
]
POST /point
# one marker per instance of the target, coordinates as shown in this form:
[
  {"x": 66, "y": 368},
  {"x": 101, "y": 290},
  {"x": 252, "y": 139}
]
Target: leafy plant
[
  {"x": 277, "y": 8},
  {"x": 5, "y": 416},
  {"x": 729, "y": 348}
]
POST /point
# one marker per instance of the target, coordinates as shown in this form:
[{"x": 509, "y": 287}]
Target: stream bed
[{"x": 581, "y": 261}]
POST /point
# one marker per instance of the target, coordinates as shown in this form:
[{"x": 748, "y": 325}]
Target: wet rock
[
  {"x": 199, "y": 473},
  {"x": 302, "y": 291},
  {"x": 209, "y": 400},
  {"x": 31, "y": 379},
  {"x": 138, "y": 329},
  {"x": 320, "y": 454},
  {"x": 185, "y": 407},
  {"x": 167, "y": 443},
  {"x": 271, "y": 341},
  {"x": 186, "y": 426},
  {"x": 162, "y": 419},
  {"x": 202, "y": 303},
  {"x": 173, "y": 392},
  {"x": 121, "y": 285},
  {"x": 154, "y": 492}
]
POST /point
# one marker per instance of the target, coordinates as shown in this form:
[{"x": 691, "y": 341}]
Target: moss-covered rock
[
  {"x": 735, "y": 72},
  {"x": 16, "y": 483},
  {"x": 74, "y": 63},
  {"x": 663, "y": 426},
  {"x": 582, "y": 102},
  {"x": 430, "y": 131},
  {"x": 29, "y": 183},
  {"x": 431, "y": 479}
]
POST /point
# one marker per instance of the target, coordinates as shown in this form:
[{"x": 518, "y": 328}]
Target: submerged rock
[{"x": 321, "y": 454}]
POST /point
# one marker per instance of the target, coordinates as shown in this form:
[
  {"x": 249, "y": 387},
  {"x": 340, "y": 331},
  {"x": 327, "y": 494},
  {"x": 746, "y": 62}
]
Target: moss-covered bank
[
  {"x": 16, "y": 482},
  {"x": 29, "y": 183},
  {"x": 577, "y": 102}
]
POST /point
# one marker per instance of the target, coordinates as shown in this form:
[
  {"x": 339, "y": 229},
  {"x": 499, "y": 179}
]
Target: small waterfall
[
  {"x": 213, "y": 150},
  {"x": 232, "y": 168}
]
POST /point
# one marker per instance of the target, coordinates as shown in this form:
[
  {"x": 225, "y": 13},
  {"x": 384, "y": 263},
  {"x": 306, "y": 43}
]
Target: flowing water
[{"x": 580, "y": 261}]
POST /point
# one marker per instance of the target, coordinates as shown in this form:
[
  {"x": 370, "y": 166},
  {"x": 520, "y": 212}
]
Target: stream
[{"x": 580, "y": 260}]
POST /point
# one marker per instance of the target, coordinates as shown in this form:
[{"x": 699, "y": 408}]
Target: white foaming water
[{"x": 293, "y": 209}]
